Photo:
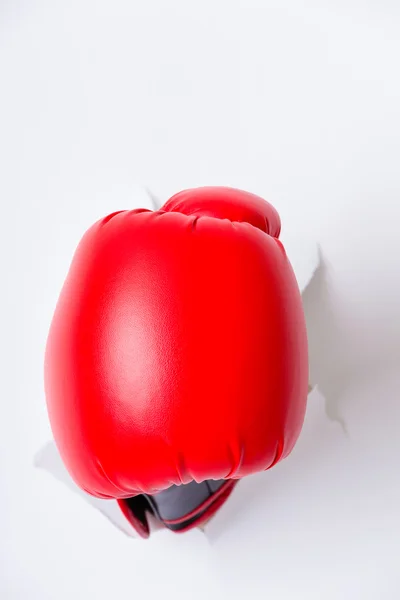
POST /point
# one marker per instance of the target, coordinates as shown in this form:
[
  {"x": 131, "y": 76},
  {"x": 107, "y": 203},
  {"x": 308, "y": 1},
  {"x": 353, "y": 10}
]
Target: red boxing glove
[{"x": 178, "y": 349}]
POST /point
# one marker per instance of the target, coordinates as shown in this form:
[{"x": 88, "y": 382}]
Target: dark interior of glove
[{"x": 174, "y": 503}]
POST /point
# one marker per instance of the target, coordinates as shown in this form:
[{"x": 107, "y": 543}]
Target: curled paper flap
[{"x": 49, "y": 459}]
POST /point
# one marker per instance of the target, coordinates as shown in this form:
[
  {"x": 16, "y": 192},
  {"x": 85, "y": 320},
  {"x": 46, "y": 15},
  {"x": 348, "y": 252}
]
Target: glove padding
[{"x": 178, "y": 350}]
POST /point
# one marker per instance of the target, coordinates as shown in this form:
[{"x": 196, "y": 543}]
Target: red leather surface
[
  {"x": 227, "y": 203},
  {"x": 178, "y": 347}
]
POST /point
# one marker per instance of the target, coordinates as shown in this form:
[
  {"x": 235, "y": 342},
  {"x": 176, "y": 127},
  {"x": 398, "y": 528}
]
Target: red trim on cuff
[
  {"x": 207, "y": 508},
  {"x": 141, "y": 528}
]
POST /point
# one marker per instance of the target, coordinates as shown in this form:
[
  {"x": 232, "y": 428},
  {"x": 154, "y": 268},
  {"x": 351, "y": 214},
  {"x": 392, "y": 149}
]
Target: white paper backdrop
[{"x": 296, "y": 101}]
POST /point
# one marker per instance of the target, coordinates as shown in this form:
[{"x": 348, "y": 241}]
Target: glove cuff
[{"x": 179, "y": 508}]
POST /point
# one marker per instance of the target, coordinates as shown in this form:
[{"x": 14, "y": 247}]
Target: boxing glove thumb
[{"x": 226, "y": 203}]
